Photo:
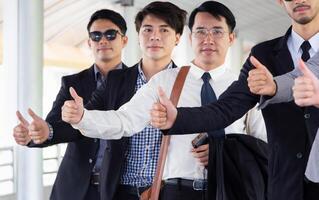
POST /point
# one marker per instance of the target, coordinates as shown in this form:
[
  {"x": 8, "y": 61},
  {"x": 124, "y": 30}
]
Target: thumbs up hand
[
  {"x": 163, "y": 113},
  {"x": 21, "y": 132},
  {"x": 260, "y": 80},
  {"x": 306, "y": 88},
  {"x": 38, "y": 129},
  {"x": 72, "y": 110}
]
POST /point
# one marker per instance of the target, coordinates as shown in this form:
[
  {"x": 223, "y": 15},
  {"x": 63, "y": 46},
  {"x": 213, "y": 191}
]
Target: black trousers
[
  {"x": 178, "y": 192},
  {"x": 126, "y": 192},
  {"x": 93, "y": 193}
]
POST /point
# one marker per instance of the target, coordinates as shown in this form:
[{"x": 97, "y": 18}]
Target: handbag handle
[{"x": 175, "y": 94}]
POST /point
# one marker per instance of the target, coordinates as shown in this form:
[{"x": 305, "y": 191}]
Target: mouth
[
  {"x": 301, "y": 8},
  {"x": 208, "y": 50},
  {"x": 154, "y": 47},
  {"x": 104, "y": 49}
]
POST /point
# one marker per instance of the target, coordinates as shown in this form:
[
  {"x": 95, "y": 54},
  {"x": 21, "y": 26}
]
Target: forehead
[
  {"x": 206, "y": 20},
  {"x": 102, "y": 25},
  {"x": 152, "y": 20}
]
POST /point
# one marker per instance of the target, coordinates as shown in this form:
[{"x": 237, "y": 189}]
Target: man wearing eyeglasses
[
  {"x": 184, "y": 177},
  {"x": 290, "y": 129},
  {"x": 78, "y": 175}
]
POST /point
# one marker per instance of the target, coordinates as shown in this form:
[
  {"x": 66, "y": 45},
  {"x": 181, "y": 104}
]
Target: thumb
[
  {"x": 33, "y": 115},
  {"x": 78, "y": 100},
  {"x": 305, "y": 70},
  {"x": 256, "y": 63},
  {"x": 162, "y": 96},
  {"x": 22, "y": 120}
]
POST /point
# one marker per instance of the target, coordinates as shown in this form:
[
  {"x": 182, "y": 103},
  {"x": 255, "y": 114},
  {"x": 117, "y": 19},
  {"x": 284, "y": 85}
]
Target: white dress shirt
[
  {"x": 135, "y": 115},
  {"x": 294, "y": 42}
]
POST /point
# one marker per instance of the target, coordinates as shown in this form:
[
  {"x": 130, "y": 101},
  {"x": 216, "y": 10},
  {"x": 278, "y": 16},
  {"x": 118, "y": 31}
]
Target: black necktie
[
  {"x": 305, "y": 46},
  {"x": 208, "y": 96},
  {"x": 216, "y": 141},
  {"x": 103, "y": 143}
]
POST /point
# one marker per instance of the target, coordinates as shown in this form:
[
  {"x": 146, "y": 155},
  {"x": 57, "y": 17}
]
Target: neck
[
  {"x": 206, "y": 66},
  {"x": 151, "y": 67},
  {"x": 306, "y": 31},
  {"x": 105, "y": 67}
]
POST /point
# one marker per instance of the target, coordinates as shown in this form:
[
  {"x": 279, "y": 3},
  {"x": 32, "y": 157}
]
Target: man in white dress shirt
[{"x": 212, "y": 25}]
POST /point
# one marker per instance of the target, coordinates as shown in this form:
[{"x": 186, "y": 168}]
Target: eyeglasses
[
  {"x": 203, "y": 33},
  {"x": 110, "y": 35}
]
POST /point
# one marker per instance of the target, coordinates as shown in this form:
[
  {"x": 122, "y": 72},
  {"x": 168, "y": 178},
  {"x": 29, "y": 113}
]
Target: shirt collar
[
  {"x": 297, "y": 40},
  {"x": 142, "y": 75},
  {"x": 216, "y": 73},
  {"x": 97, "y": 71}
]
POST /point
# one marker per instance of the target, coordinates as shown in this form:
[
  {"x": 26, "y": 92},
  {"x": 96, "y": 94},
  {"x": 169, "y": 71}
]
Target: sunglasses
[{"x": 110, "y": 35}]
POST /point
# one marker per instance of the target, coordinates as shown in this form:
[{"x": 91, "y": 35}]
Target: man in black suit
[
  {"x": 78, "y": 175},
  {"x": 290, "y": 129}
]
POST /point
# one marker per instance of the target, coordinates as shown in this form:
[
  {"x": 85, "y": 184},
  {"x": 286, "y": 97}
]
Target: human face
[
  {"x": 301, "y": 11},
  {"x": 210, "y": 49},
  {"x": 106, "y": 50},
  {"x": 156, "y": 38}
]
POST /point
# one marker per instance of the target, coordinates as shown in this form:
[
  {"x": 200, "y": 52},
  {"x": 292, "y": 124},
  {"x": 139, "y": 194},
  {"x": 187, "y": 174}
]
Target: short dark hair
[
  {"x": 174, "y": 16},
  {"x": 217, "y": 10},
  {"x": 111, "y": 15}
]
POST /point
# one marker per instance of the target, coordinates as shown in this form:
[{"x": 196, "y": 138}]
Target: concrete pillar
[
  {"x": 131, "y": 53},
  {"x": 23, "y": 60}
]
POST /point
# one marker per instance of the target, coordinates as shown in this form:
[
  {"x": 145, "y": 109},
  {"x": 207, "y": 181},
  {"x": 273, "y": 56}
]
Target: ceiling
[{"x": 65, "y": 20}]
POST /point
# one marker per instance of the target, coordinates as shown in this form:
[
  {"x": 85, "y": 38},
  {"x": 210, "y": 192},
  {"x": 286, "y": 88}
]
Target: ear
[
  {"x": 124, "y": 40},
  {"x": 190, "y": 38},
  {"x": 177, "y": 38},
  {"x": 232, "y": 37},
  {"x": 280, "y": 2},
  {"x": 89, "y": 43}
]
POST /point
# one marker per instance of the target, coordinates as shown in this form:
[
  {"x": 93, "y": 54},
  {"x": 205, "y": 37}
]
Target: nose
[
  {"x": 103, "y": 40},
  {"x": 209, "y": 38},
  {"x": 155, "y": 35}
]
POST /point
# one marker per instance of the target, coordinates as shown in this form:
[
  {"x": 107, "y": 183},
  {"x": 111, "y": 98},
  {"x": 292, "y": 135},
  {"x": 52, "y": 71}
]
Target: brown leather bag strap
[{"x": 175, "y": 94}]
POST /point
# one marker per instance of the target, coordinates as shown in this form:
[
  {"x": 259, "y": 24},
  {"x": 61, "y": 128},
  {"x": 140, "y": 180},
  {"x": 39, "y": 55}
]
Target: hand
[
  {"x": 21, "y": 132},
  {"x": 306, "y": 88},
  {"x": 260, "y": 80},
  {"x": 163, "y": 114},
  {"x": 38, "y": 129},
  {"x": 202, "y": 154},
  {"x": 72, "y": 110}
]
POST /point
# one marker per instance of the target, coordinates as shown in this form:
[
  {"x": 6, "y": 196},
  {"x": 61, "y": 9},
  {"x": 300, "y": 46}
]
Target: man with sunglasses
[
  {"x": 290, "y": 129},
  {"x": 212, "y": 25},
  {"x": 78, "y": 175}
]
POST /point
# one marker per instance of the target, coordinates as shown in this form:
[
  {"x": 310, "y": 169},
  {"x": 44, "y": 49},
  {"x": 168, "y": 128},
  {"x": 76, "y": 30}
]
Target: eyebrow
[
  {"x": 215, "y": 27},
  {"x": 150, "y": 26}
]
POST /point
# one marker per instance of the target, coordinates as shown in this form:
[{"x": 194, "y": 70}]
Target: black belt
[
  {"x": 194, "y": 184},
  {"x": 95, "y": 178},
  {"x": 134, "y": 190}
]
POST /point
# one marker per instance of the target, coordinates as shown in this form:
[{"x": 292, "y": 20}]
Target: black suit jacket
[
  {"x": 74, "y": 173},
  {"x": 290, "y": 129},
  {"x": 119, "y": 89}
]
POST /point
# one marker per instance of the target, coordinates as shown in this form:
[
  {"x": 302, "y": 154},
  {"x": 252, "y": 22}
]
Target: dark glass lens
[
  {"x": 110, "y": 34},
  {"x": 95, "y": 36}
]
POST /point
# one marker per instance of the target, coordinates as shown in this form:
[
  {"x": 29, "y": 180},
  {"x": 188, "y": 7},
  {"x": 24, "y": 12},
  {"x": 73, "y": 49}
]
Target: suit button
[
  {"x": 299, "y": 155},
  {"x": 307, "y": 116},
  {"x": 90, "y": 160}
]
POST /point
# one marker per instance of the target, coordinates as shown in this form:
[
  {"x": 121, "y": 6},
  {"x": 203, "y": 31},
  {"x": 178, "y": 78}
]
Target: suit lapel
[
  {"x": 90, "y": 83},
  {"x": 282, "y": 56}
]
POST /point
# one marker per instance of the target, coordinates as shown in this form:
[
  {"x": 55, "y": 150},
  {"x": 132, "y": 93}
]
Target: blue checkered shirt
[{"x": 142, "y": 150}]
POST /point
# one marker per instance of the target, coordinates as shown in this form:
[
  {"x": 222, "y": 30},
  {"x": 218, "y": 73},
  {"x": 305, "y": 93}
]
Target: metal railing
[
  {"x": 53, "y": 154},
  {"x": 7, "y": 180}
]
